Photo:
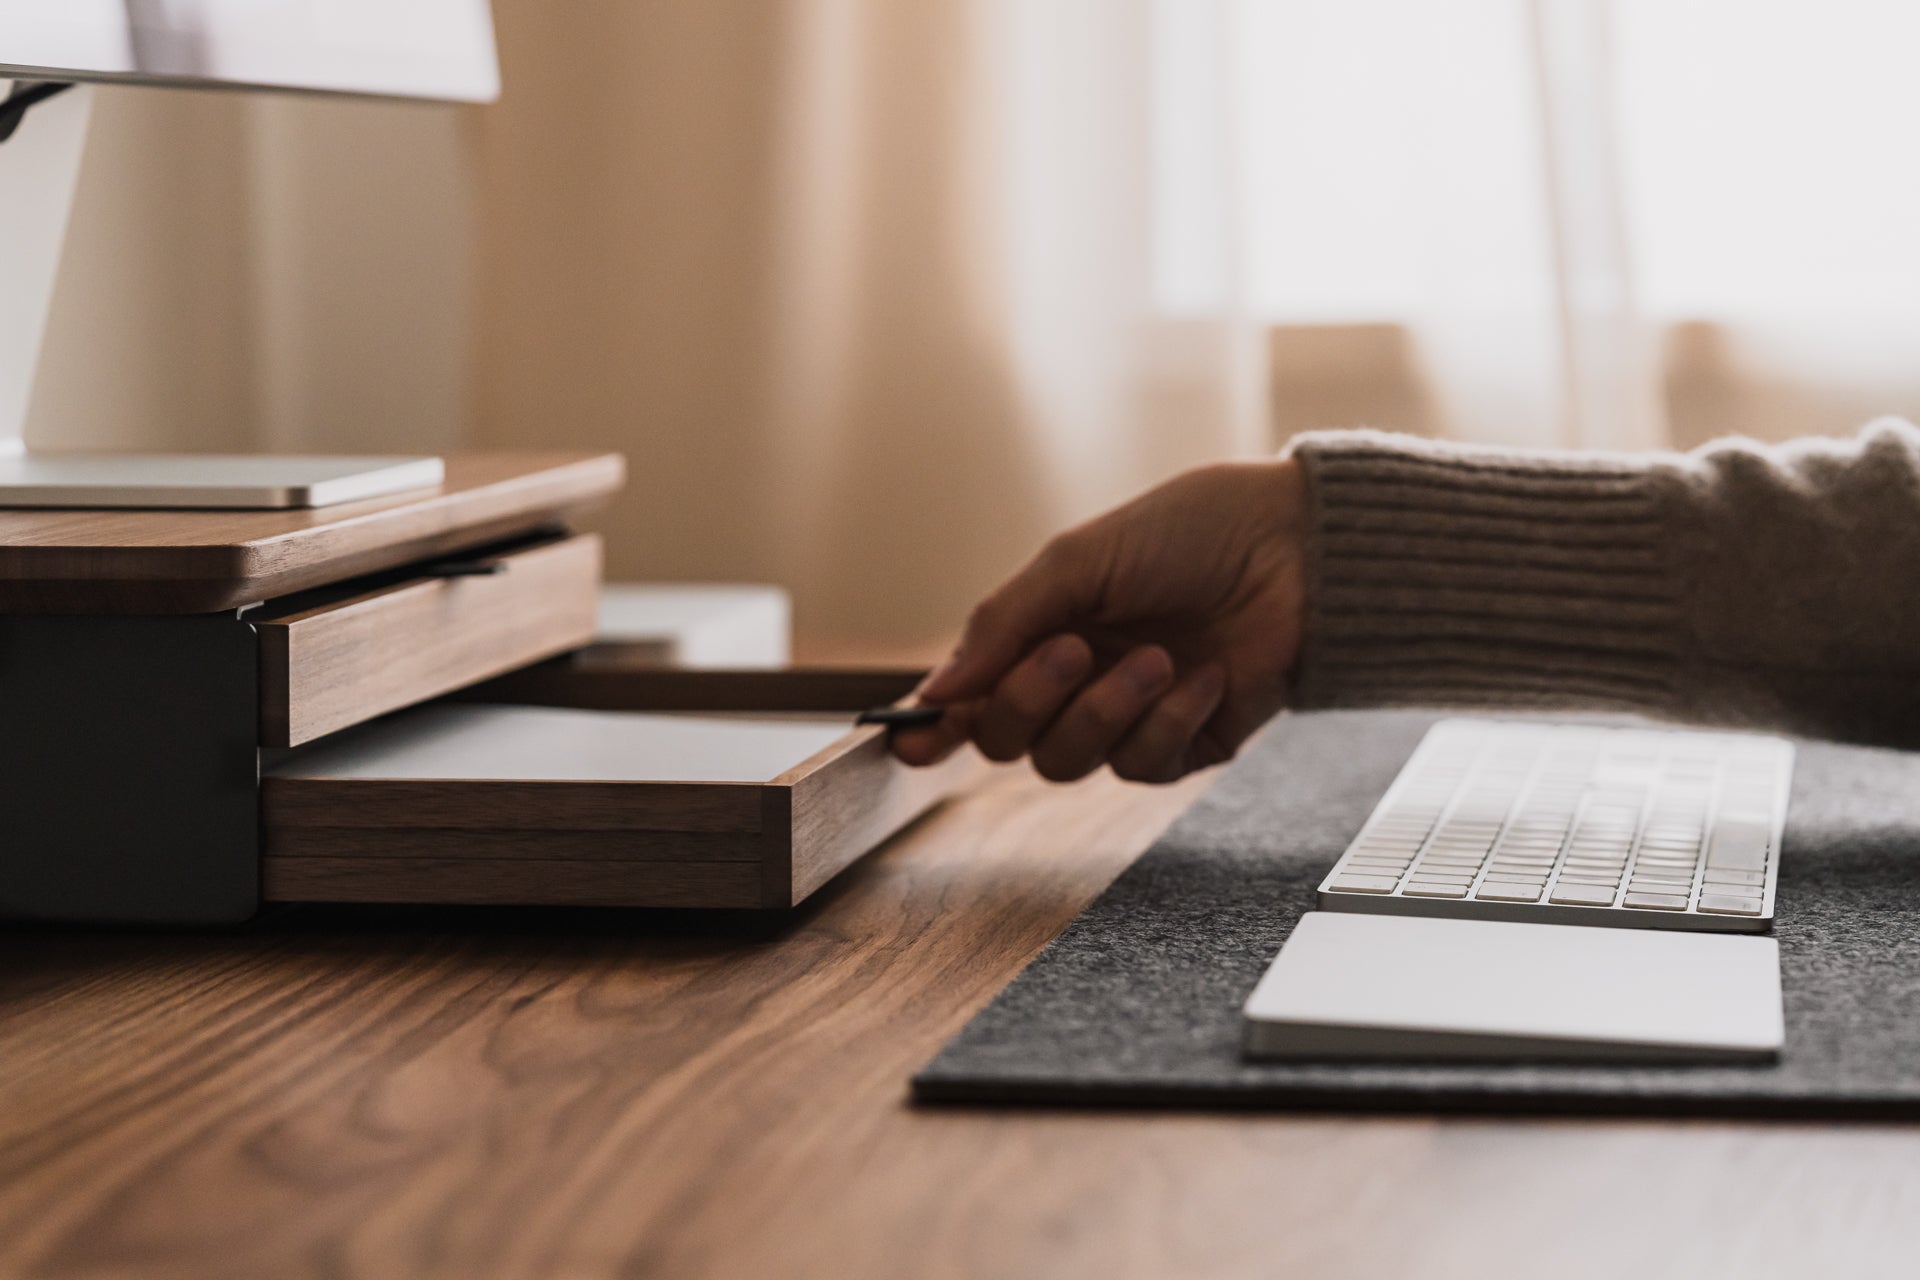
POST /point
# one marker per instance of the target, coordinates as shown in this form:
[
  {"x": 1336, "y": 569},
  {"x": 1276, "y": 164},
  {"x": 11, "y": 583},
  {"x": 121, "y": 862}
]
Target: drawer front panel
[
  {"x": 346, "y": 661},
  {"x": 506, "y": 882}
]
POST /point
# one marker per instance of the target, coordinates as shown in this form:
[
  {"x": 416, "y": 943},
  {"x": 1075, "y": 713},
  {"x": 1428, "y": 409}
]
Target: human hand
[{"x": 1155, "y": 638}]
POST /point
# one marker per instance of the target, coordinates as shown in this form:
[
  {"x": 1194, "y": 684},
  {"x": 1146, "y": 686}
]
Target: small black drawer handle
[{"x": 464, "y": 569}]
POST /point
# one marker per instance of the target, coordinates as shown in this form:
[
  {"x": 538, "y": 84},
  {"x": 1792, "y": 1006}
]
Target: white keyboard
[{"x": 1575, "y": 824}]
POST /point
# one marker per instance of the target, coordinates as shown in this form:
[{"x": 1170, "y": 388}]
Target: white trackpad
[{"x": 1352, "y": 986}]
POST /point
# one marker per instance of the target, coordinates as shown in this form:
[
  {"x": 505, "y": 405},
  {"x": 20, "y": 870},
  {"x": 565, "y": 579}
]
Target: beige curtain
[{"x": 860, "y": 287}]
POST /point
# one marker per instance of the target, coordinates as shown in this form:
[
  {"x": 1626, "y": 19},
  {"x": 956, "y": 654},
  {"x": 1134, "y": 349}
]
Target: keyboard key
[
  {"x": 1582, "y": 895},
  {"x": 1717, "y": 876},
  {"x": 1434, "y": 889},
  {"x": 1501, "y": 891},
  {"x": 1738, "y": 847},
  {"x": 1729, "y": 905},
  {"x": 1363, "y": 884},
  {"x": 1655, "y": 901}
]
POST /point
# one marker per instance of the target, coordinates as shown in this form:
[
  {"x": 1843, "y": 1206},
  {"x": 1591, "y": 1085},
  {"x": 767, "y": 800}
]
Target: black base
[{"x": 129, "y": 770}]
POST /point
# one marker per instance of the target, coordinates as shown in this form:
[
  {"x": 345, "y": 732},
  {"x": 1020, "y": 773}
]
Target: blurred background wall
[{"x": 876, "y": 293}]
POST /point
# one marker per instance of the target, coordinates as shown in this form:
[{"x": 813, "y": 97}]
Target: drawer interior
[{"x": 502, "y": 742}]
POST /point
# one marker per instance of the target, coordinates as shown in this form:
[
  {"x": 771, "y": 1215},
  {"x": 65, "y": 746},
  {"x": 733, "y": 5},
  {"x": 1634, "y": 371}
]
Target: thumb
[{"x": 1044, "y": 597}]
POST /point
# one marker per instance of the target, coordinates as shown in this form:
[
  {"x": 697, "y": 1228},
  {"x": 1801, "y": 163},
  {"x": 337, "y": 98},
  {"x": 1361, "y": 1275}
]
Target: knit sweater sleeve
[{"x": 1740, "y": 584}]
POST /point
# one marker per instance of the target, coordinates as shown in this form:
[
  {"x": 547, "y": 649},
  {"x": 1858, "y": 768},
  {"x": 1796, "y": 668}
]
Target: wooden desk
[{"x": 499, "y": 1095}]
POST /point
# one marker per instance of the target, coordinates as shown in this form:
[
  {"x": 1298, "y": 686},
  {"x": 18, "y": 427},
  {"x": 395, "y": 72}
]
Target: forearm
[{"x": 1738, "y": 585}]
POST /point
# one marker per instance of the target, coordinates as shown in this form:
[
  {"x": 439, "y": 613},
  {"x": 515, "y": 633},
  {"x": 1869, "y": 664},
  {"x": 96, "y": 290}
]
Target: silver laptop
[{"x": 212, "y": 480}]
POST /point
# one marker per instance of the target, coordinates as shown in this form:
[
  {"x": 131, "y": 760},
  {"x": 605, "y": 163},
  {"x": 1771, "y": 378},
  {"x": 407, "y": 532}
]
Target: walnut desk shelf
[{"x": 176, "y": 682}]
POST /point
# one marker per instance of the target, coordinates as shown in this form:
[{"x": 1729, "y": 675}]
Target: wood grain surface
[
  {"x": 488, "y": 1094},
  {"x": 338, "y": 663},
  {"x": 204, "y": 561}
]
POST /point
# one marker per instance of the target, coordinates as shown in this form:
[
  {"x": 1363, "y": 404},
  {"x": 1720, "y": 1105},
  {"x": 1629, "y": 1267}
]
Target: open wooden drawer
[{"x": 567, "y": 786}]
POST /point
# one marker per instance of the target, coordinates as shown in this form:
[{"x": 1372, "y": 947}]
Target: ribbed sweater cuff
[{"x": 1457, "y": 575}]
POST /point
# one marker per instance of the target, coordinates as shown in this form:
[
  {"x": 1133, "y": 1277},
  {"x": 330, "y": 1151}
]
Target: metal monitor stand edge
[{"x": 39, "y": 170}]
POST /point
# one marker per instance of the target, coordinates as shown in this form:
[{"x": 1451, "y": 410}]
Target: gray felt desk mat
[{"x": 1138, "y": 1001}]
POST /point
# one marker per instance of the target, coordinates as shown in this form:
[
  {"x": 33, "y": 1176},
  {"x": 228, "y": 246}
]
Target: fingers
[
  {"x": 1148, "y": 725},
  {"x": 1003, "y": 724},
  {"x": 1042, "y": 598},
  {"x": 1084, "y": 733},
  {"x": 1160, "y": 748},
  {"x": 931, "y": 744},
  {"x": 1026, "y": 701}
]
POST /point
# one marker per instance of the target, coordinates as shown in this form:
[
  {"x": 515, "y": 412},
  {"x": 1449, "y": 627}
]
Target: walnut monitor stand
[{"x": 156, "y": 666}]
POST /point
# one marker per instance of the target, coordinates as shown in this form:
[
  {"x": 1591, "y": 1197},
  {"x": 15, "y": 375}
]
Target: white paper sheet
[{"x": 553, "y": 744}]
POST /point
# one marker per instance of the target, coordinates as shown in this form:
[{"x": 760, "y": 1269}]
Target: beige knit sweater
[{"x": 1739, "y": 584}]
